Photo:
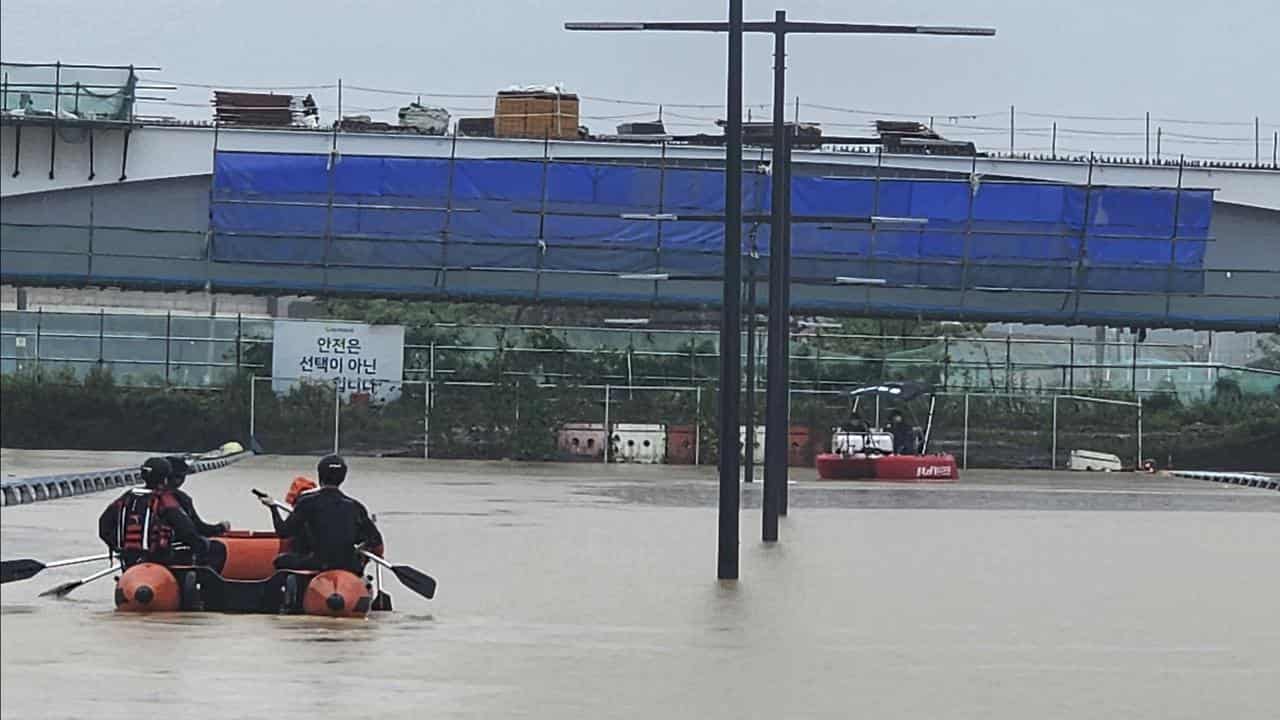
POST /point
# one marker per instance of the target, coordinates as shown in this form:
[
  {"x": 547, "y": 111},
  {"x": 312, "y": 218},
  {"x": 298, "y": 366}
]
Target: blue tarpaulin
[{"x": 429, "y": 213}]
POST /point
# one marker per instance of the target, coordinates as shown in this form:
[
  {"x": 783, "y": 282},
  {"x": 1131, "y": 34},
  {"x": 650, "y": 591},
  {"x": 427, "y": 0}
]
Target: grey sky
[{"x": 1175, "y": 58}]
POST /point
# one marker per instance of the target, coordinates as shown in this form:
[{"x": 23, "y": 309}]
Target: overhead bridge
[{"x": 314, "y": 212}]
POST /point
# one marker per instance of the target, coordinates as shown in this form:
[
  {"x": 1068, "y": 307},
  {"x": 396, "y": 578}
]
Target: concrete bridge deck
[{"x": 81, "y": 211}]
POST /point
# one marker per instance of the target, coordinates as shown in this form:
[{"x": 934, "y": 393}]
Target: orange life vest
[
  {"x": 300, "y": 485},
  {"x": 140, "y": 527}
]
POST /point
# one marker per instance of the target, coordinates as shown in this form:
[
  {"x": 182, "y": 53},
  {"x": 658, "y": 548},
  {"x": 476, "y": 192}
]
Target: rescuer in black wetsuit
[
  {"x": 904, "y": 435},
  {"x": 330, "y": 524},
  {"x": 145, "y": 524},
  {"x": 176, "y": 479},
  {"x": 855, "y": 423}
]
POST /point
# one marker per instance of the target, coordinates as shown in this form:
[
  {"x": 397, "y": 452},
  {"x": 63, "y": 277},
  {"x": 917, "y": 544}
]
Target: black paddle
[
  {"x": 63, "y": 590},
  {"x": 12, "y": 570},
  {"x": 410, "y": 577}
]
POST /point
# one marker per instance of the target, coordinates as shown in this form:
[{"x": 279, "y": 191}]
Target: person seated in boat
[
  {"x": 330, "y": 524},
  {"x": 299, "y": 485},
  {"x": 855, "y": 423},
  {"x": 178, "y": 476},
  {"x": 904, "y": 435},
  {"x": 298, "y": 543},
  {"x": 148, "y": 524}
]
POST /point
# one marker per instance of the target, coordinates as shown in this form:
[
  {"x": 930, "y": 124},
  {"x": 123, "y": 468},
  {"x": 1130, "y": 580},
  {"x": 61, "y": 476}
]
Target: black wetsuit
[
  {"x": 170, "y": 512},
  {"x": 189, "y": 507},
  {"x": 330, "y": 525},
  {"x": 904, "y": 438},
  {"x": 856, "y": 424}
]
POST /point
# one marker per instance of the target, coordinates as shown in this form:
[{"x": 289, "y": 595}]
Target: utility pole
[{"x": 776, "y": 422}]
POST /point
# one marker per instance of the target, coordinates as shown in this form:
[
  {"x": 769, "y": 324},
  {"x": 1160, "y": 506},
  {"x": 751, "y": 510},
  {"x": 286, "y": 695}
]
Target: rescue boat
[
  {"x": 868, "y": 454},
  {"x": 248, "y": 583},
  {"x": 888, "y": 468}
]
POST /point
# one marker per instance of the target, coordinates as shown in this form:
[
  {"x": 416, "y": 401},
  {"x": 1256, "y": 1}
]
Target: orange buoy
[
  {"x": 148, "y": 587},
  {"x": 337, "y": 593}
]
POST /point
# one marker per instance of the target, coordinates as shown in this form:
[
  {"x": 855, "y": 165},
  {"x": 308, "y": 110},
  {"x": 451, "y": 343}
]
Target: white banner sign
[{"x": 360, "y": 358}]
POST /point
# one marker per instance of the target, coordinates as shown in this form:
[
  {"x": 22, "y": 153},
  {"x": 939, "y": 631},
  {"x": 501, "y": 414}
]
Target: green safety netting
[{"x": 75, "y": 92}]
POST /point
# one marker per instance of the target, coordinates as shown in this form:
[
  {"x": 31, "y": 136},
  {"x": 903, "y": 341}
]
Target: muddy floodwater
[{"x": 589, "y": 591}]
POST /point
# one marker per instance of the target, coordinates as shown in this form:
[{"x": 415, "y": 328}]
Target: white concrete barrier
[{"x": 639, "y": 443}]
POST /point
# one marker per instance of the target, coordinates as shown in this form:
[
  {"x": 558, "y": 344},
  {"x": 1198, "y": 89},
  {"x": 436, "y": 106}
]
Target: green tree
[{"x": 1269, "y": 346}]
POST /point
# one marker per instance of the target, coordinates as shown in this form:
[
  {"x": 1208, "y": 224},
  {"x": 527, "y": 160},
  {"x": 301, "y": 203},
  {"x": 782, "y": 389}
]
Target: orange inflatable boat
[{"x": 249, "y": 582}]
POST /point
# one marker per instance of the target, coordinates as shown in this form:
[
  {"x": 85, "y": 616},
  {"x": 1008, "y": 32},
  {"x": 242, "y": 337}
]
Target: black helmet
[
  {"x": 180, "y": 470},
  {"x": 331, "y": 470},
  {"x": 155, "y": 471}
]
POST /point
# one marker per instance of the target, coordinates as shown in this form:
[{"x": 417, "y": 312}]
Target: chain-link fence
[
  {"x": 507, "y": 392},
  {"x": 171, "y": 350},
  {"x": 1009, "y": 430},
  {"x": 293, "y": 416},
  {"x": 1098, "y": 424},
  {"x": 476, "y": 420},
  {"x": 138, "y": 349},
  {"x": 530, "y": 421},
  {"x": 526, "y": 421}
]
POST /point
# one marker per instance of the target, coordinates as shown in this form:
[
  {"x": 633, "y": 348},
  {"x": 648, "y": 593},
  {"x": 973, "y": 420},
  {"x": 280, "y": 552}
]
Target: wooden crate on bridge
[{"x": 536, "y": 114}]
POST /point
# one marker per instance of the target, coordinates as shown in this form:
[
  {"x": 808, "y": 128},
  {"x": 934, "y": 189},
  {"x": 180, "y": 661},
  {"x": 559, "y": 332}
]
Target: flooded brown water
[{"x": 584, "y": 591}]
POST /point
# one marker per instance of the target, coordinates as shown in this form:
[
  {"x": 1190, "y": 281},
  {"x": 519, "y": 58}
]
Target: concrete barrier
[
  {"x": 1253, "y": 480},
  {"x": 582, "y": 440},
  {"x": 639, "y": 443},
  {"x": 20, "y": 491}
]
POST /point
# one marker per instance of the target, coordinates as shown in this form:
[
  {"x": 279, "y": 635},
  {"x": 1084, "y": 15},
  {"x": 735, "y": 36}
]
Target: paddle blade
[
  {"x": 11, "y": 570},
  {"x": 63, "y": 590},
  {"x": 415, "y": 580}
]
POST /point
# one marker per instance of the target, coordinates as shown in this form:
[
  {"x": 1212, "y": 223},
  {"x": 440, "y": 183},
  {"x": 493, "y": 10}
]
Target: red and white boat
[
  {"x": 868, "y": 454},
  {"x": 888, "y": 468}
]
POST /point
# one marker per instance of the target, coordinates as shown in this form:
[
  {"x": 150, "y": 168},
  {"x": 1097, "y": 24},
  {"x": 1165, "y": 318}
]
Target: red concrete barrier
[{"x": 681, "y": 445}]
